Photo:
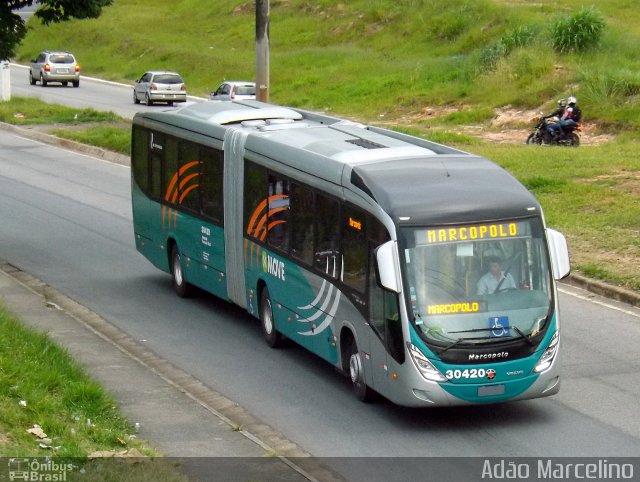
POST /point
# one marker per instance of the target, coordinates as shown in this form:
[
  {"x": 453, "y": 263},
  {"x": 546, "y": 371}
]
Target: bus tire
[
  {"x": 180, "y": 285},
  {"x": 357, "y": 376},
  {"x": 273, "y": 338}
]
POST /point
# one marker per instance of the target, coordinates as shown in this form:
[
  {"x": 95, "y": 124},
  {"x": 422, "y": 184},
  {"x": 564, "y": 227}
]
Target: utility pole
[{"x": 262, "y": 50}]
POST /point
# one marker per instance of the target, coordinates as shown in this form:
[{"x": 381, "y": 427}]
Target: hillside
[{"x": 381, "y": 59}]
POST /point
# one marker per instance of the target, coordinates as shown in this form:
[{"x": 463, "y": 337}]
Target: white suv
[{"x": 54, "y": 67}]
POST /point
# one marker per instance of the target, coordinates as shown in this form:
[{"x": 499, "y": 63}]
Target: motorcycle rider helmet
[
  {"x": 572, "y": 100},
  {"x": 562, "y": 102}
]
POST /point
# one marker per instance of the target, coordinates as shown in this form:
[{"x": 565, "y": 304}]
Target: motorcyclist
[
  {"x": 554, "y": 127},
  {"x": 569, "y": 118}
]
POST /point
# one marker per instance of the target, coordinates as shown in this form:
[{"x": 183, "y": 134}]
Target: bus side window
[
  {"x": 302, "y": 224},
  {"x": 255, "y": 194},
  {"x": 211, "y": 203},
  {"x": 170, "y": 183},
  {"x": 155, "y": 168},
  {"x": 189, "y": 178},
  {"x": 156, "y": 159},
  {"x": 384, "y": 314},
  {"x": 327, "y": 257},
  {"x": 278, "y": 213},
  {"x": 140, "y": 157},
  {"x": 354, "y": 247}
]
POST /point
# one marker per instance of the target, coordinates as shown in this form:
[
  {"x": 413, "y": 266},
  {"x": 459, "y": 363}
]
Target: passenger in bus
[{"x": 495, "y": 279}]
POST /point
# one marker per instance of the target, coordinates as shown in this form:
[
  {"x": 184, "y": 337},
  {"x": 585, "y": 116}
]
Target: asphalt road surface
[
  {"x": 66, "y": 219},
  {"x": 95, "y": 93}
]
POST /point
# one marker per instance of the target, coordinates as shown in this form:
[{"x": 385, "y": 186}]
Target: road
[
  {"x": 66, "y": 218},
  {"x": 95, "y": 93}
]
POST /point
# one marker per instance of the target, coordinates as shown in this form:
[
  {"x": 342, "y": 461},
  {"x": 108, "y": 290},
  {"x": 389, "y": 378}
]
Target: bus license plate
[{"x": 490, "y": 390}]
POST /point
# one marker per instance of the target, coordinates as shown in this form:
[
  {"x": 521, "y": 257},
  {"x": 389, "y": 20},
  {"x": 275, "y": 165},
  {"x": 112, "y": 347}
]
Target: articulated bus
[{"x": 423, "y": 273}]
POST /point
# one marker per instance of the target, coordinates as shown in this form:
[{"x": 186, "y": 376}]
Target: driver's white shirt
[{"x": 488, "y": 283}]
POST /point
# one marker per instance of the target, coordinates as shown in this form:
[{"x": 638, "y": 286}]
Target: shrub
[
  {"x": 518, "y": 37},
  {"x": 577, "y": 32}
]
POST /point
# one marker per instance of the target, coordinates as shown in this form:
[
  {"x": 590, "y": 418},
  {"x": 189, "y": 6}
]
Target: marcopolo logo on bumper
[{"x": 488, "y": 356}]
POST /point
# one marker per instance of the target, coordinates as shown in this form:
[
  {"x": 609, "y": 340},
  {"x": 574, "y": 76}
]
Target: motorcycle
[{"x": 542, "y": 134}]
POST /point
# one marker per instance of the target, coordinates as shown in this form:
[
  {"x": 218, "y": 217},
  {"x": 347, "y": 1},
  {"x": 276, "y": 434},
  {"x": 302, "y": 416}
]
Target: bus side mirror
[
  {"x": 559, "y": 254},
  {"x": 389, "y": 266}
]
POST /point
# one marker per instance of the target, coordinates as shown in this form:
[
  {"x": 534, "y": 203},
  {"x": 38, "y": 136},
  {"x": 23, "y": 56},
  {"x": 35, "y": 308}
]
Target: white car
[
  {"x": 234, "y": 90},
  {"x": 53, "y": 66},
  {"x": 159, "y": 86}
]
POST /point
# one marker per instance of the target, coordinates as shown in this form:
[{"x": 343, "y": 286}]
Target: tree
[{"x": 13, "y": 29}]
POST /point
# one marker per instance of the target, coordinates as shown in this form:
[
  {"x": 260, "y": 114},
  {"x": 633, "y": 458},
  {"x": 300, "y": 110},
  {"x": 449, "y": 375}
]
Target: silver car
[
  {"x": 56, "y": 66},
  {"x": 234, "y": 90},
  {"x": 159, "y": 86}
]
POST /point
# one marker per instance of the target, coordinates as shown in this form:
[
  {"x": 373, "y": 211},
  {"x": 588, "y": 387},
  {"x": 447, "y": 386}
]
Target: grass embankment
[
  {"x": 42, "y": 387},
  {"x": 89, "y": 126},
  {"x": 366, "y": 58},
  {"x": 591, "y": 194}
]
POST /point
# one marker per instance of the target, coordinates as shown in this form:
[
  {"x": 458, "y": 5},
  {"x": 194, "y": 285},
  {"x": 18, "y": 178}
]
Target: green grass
[
  {"x": 591, "y": 195},
  {"x": 116, "y": 139},
  {"x": 41, "y": 385},
  {"x": 363, "y": 58},
  {"x": 29, "y": 111}
]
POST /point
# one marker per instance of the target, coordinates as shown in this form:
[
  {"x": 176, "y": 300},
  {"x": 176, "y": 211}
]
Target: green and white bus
[{"x": 368, "y": 247}]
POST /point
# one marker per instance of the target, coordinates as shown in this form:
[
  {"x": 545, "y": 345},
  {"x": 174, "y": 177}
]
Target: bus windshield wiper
[
  {"x": 515, "y": 328},
  {"x": 451, "y": 345},
  {"x": 522, "y": 335},
  {"x": 460, "y": 341}
]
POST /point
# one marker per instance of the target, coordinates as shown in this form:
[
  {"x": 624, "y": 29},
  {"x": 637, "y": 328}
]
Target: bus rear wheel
[
  {"x": 180, "y": 285},
  {"x": 273, "y": 338},
  {"x": 357, "y": 376}
]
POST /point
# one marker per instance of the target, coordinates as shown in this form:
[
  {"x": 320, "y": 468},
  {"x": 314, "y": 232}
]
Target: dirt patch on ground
[
  {"x": 502, "y": 130},
  {"x": 509, "y": 125}
]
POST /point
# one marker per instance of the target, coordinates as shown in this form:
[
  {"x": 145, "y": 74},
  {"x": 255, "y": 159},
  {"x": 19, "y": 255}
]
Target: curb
[
  {"x": 604, "y": 289},
  {"x": 69, "y": 144}
]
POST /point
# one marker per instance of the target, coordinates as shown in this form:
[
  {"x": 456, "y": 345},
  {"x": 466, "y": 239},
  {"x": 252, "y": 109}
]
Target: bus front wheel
[
  {"x": 273, "y": 338},
  {"x": 357, "y": 375},
  {"x": 179, "y": 283}
]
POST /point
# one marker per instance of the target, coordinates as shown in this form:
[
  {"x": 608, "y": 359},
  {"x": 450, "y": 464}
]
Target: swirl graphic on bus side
[
  {"x": 259, "y": 224},
  {"x": 181, "y": 184}
]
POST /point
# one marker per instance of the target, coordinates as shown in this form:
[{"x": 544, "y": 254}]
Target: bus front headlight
[
  {"x": 546, "y": 360},
  {"x": 424, "y": 366}
]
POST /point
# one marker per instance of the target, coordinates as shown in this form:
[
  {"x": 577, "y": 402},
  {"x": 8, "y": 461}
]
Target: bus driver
[{"x": 495, "y": 279}]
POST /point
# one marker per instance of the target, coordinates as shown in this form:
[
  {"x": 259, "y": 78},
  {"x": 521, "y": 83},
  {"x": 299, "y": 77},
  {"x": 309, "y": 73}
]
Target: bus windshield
[{"x": 478, "y": 283}]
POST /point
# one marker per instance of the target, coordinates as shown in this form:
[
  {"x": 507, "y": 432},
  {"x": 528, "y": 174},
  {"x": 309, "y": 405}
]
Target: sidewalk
[{"x": 178, "y": 415}]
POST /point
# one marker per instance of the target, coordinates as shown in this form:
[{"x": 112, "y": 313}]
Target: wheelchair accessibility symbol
[{"x": 499, "y": 326}]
